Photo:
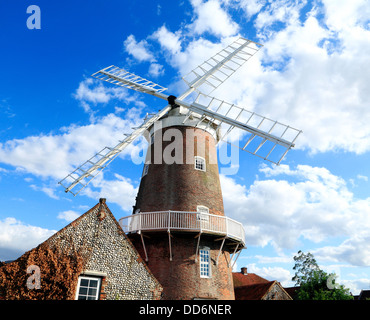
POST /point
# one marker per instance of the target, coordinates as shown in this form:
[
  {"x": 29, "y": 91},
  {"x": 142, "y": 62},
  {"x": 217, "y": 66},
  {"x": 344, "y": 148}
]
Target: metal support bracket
[
  {"x": 237, "y": 257},
  {"x": 169, "y": 242},
  {"x": 197, "y": 250},
  {"x": 236, "y": 248},
  {"x": 219, "y": 252},
  {"x": 142, "y": 241}
]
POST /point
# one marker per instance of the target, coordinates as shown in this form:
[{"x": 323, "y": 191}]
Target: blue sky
[{"x": 311, "y": 74}]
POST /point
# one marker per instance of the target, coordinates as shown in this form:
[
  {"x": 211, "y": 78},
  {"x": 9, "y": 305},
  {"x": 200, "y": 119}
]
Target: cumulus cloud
[
  {"x": 17, "y": 237},
  {"x": 168, "y": 40},
  {"x": 312, "y": 74},
  {"x": 272, "y": 273},
  {"x": 308, "y": 75},
  {"x": 141, "y": 53},
  {"x": 55, "y": 155},
  {"x": 301, "y": 203},
  {"x": 156, "y": 70},
  {"x": 120, "y": 191},
  {"x": 139, "y": 50},
  {"x": 212, "y": 18},
  {"x": 68, "y": 215},
  {"x": 91, "y": 92}
]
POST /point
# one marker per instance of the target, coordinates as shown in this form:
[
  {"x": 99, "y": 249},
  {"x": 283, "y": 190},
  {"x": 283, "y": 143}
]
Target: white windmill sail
[
  {"x": 256, "y": 134},
  {"x": 123, "y": 78},
  {"x": 210, "y": 74},
  {"x": 213, "y": 72},
  {"x": 83, "y": 175}
]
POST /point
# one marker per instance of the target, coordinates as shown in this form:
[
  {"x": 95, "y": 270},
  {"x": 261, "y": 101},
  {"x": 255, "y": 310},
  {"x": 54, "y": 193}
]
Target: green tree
[
  {"x": 305, "y": 265},
  {"x": 316, "y": 284}
]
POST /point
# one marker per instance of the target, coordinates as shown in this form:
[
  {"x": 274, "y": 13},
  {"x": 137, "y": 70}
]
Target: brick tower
[{"x": 178, "y": 224}]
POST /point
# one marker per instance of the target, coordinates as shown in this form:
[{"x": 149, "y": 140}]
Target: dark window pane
[
  {"x": 83, "y": 291},
  {"x": 92, "y": 292},
  {"x": 84, "y": 283}
]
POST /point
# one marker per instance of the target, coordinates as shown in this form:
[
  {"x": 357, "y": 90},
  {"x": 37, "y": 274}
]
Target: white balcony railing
[{"x": 184, "y": 221}]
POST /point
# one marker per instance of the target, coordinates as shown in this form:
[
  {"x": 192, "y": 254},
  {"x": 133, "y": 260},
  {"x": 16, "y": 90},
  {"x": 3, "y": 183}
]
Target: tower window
[
  {"x": 200, "y": 163},
  {"x": 200, "y": 215},
  {"x": 146, "y": 168},
  {"x": 205, "y": 266}
]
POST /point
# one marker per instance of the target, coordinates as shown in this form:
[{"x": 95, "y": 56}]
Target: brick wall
[
  {"x": 180, "y": 277},
  {"x": 179, "y": 186}
]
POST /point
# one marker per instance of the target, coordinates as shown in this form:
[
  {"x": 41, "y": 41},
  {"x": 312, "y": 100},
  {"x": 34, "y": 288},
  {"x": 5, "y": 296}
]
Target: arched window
[{"x": 200, "y": 163}]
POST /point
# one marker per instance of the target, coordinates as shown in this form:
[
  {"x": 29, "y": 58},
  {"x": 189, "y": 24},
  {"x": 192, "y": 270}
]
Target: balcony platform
[{"x": 183, "y": 221}]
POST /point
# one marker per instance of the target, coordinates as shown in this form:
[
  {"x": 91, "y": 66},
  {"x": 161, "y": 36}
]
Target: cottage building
[
  {"x": 89, "y": 259},
  {"x": 249, "y": 286}
]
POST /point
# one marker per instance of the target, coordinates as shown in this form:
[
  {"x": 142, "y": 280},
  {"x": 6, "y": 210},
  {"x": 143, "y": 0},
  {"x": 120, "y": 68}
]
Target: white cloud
[
  {"x": 168, "y": 40},
  {"x": 55, "y": 155},
  {"x": 99, "y": 94},
  {"x": 341, "y": 14},
  {"x": 251, "y": 7},
  {"x": 156, "y": 70},
  {"x": 308, "y": 75},
  {"x": 313, "y": 204},
  {"x": 362, "y": 177},
  {"x": 284, "y": 11},
  {"x": 314, "y": 79},
  {"x": 47, "y": 190},
  {"x": 120, "y": 191},
  {"x": 272, "y": 273},
  {"x": 17, "y": 237},
  {"x": 92, "y": 92},
  {"x": 212, "y": 18},
  {"x": 138, "y": 50},
  {"x": 68, "y": 215}
]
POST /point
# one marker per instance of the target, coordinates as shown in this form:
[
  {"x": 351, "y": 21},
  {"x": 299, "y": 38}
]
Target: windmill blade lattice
[
  {"x": 123, "y": 78},
  {"x": 256, "y": 134},
  {"x": 221, "y": 66},
  {"x": 86, "y": 172},
  {"x": 257, "y": 131}
]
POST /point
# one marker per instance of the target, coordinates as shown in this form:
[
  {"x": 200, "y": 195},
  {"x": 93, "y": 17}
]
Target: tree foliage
[
  {"x": 305, "y": 266},
  {"x": 316, "y": 284}
]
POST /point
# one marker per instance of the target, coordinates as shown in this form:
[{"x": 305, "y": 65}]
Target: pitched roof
[
  {"x": 241, "y": 279},
  {"x": 292, "y": 291},
  {"x": 260, "y": 291},
  {"x": 254, "y": 291},
  {"x": 364, "y": 295}
]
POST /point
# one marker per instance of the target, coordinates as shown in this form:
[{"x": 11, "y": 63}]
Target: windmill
[{"x": 178, "y": 224}]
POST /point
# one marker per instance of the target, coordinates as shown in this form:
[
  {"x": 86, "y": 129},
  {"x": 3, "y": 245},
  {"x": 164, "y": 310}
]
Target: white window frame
[
  {"x": 205, "y": 262},
  {"x": 145, "y": 169},
  {"x": 202, "y": 161},
  {"x": 97, "y": 290},
  {"x": 200, "y": 210}
]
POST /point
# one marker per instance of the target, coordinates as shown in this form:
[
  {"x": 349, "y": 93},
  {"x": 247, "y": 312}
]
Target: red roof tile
[
  {"x": 253, "y": 292},
  {"x": 250, "y": 278}
]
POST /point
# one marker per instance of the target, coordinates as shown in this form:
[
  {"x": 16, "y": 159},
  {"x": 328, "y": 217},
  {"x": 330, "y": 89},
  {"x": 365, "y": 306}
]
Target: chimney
[{"x": 244, "y": 271}]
